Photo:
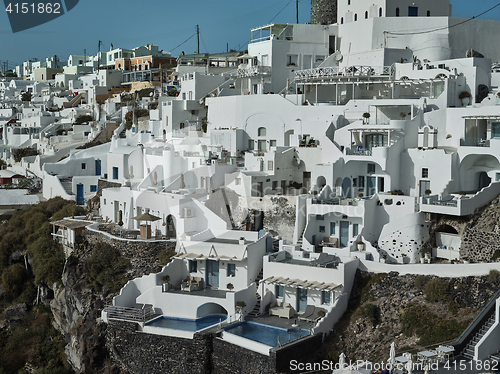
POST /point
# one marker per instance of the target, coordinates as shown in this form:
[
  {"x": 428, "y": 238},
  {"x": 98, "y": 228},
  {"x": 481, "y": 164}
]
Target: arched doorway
[
  {"x": 170, "y": 223},
  {"x": 346, "y": 188},
  {"x": 320, "y": 182}
]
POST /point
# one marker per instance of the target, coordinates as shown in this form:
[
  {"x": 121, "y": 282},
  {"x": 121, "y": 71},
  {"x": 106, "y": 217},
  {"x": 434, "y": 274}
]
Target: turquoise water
[
  {"x": 186, "y": 324},
  {"x": 267, "y": 335}
]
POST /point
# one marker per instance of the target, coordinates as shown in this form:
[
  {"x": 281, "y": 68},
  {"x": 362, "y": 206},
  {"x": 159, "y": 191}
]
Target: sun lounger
[
  {"x": 314, "y": 316},
  {"x": 307, "y": 313}
]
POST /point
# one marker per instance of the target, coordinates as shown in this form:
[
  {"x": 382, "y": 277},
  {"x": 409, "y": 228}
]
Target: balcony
[
  {"x": 350, "y": 71},
  {"x": 253, "y": 71}
]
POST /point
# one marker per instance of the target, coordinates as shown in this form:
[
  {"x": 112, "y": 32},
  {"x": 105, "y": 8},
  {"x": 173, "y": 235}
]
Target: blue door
[
  {"x": 301, "y": 299},
  {"x": 344, "y": 233},
  {"x": 412, "y": 11},
  {"x": 212, "y": 273},
  {"x": 97, "y": 167},
  {"x": 79, "y": 194}
]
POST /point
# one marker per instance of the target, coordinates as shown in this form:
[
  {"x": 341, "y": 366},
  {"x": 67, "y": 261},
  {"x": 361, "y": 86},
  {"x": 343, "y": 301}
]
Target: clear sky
[{"x": 166, "y": 23}]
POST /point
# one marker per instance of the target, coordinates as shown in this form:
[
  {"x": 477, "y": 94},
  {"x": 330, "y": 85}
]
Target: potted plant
[
  {"x": 230, "y": 286},
  {"x": 366, "y": 117},
  {"x": 360, "y": 195},
  {"x": 427, "y": 193},
  {"x": 361, "y": 245},
  {"x": 402, "y": 115},
  {"x": 321, "y": 313},
  {"x": 465, "y": 97},
  {"x": 165, "y": 285}
]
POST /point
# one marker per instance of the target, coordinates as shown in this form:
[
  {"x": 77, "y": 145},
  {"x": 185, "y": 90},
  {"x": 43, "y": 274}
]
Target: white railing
[
  {"x": 335, "y": 71},
  {"x": 253, "y": 71},
  {"x": 130, "y": 314}
]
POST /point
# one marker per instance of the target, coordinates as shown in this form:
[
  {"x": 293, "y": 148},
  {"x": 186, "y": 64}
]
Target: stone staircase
[
  {"x": 468, "y": 352},
  {"x": 256, "y": 309},
  {"x": 67, "y": 184}
]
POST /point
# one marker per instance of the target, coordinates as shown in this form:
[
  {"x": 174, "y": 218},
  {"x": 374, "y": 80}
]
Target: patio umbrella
[
  {"x": 342, "y": 360},
  {"x": 392, "y": 354},
  {"x": 146, "y": 217}
]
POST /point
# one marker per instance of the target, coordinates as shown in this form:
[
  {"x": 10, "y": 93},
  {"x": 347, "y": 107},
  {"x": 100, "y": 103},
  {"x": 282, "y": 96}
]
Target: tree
[
  {"x": 26, "y": 96},
  {"x": 13, "y": 279}
]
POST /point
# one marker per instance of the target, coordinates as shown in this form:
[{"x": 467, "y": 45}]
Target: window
[
  {"x": 231, "y": 270},
  {"x": 428, "y": 13},
  {"x": 270, "y": 165},
  {"x": 278, "y": 290},
  {"x": 181, "y": 125},
  {"x": 275, "y": 185},
  {"x": 355, "y": 228},
  {"x": 193, "y": 266},
  {"x": 320, "y": 218},
  {"x": 292, "y": 60},
  {"x": 272, "y": 143},
  {"x": 93, "y": 188},
  {"x": 322, "y": 229},
  {"x": 380, "y": 12},
  {"x": 237, "y": 181},
  {"x": 104, "y": 200},
  {"x": 84, "y": 166},
  {"x": 361, "y": 181},
  {"x": 397, "y": 12},
  {"x": 325, "y": 297},
  {"x": 366, "y": 14},
  {"x": 332, "y": 228},
  {"x": 371, "y": 168},
  {"x": 115, "y": 173},
  {"x": 250, "y": 144},
  {"x": 354, "y": 182},
  {"x": 381, "y": 187},
  {"x": 261, "y": 131},
  {"x": 425, "y": 173},
  {"x": 495, "y": 130},
  {"x": 348, "y": 2},
  {"x": 355, "y": 16},
  {"x": 342, "y": 20}
]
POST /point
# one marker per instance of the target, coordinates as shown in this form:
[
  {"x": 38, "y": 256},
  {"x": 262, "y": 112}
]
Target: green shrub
[
  {"x": 106, "y": 267},
  {"x": 82, "y": 118},
  {"x": 429, "y": 327},
  {"x": 436, "y": 290},
  {"x": 421, "y": 281},
  {"x": 370, "y": 312},
  {"x": 493, "y": 276},
  {"x": 19, "y": 153},
  {"x": 69, "y": 210},
  {"x": 13, "y": 279},
  {"x": 165, "y": 255}
]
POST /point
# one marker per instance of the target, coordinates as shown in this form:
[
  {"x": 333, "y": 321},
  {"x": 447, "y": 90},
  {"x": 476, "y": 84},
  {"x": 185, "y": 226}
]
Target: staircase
[
  {"x": 67, "y": 184},
  {"x": 468, "y": 352},
  {"x": 256, "y": 309}
]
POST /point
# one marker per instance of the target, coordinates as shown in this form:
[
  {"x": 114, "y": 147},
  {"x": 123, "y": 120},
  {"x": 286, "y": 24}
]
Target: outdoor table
[
  {"x": 402, "y": 359},
  {"x": 445, "y": 351},
  {"x": 427, "y": 356}
]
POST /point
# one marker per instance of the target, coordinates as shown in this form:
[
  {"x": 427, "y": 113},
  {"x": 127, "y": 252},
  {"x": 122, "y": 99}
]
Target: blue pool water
[
  {"x": 264, "y": 334},
  {"x": 186, "y": 324}
]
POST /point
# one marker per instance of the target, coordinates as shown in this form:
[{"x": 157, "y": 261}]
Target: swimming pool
[
  {"x": 186, "y": 324},
  {"x": 265, "y": 334}
]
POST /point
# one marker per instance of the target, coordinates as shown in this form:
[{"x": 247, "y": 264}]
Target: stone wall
[
  {"x": 135, "y": 352},
  {"x": 229, "y": 358},
  {"x": 324, "y": 12},
  {"x": 478, "y": 245},
  {"x": 143, "y": 255}
]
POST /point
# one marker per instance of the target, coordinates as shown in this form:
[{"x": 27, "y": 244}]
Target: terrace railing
[
  {"x": 130, "y": 314},
  {"x": 350, "y": 71}
]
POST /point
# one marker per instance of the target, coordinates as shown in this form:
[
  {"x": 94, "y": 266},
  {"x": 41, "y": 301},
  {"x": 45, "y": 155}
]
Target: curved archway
[
  {"x": 170, "y": 223},
  {"x": 320, "y": 182},
  {"x": 208, "y": 309},
  {"x": 448, "y": 229},
  {"x": 397, "y": 12},
  {"x": 346, "y": 187},
  {"x": 474, "y": 171}
]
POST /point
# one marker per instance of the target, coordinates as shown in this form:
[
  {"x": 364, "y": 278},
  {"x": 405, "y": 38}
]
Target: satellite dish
[{"x": 337, "y": 56}]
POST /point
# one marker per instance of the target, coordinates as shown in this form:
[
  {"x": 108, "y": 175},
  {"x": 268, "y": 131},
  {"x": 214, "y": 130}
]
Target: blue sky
[{"x": 166, "y": 23}]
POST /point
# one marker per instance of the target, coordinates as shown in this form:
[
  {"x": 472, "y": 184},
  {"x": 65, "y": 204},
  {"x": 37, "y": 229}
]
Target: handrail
[
  {"x": 128, "y": 313},
  {"x": 476, "y": 324}
]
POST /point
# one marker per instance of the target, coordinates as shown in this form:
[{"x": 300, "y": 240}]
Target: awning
[
  {"x": 70, "y": 224},
  {"x": 297, "y": 283}
]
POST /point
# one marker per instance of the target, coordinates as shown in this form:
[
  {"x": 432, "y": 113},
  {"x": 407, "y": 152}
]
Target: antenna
[
  {"x": 297, "y": 9},
  {"x": 198, "y": 37}
]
